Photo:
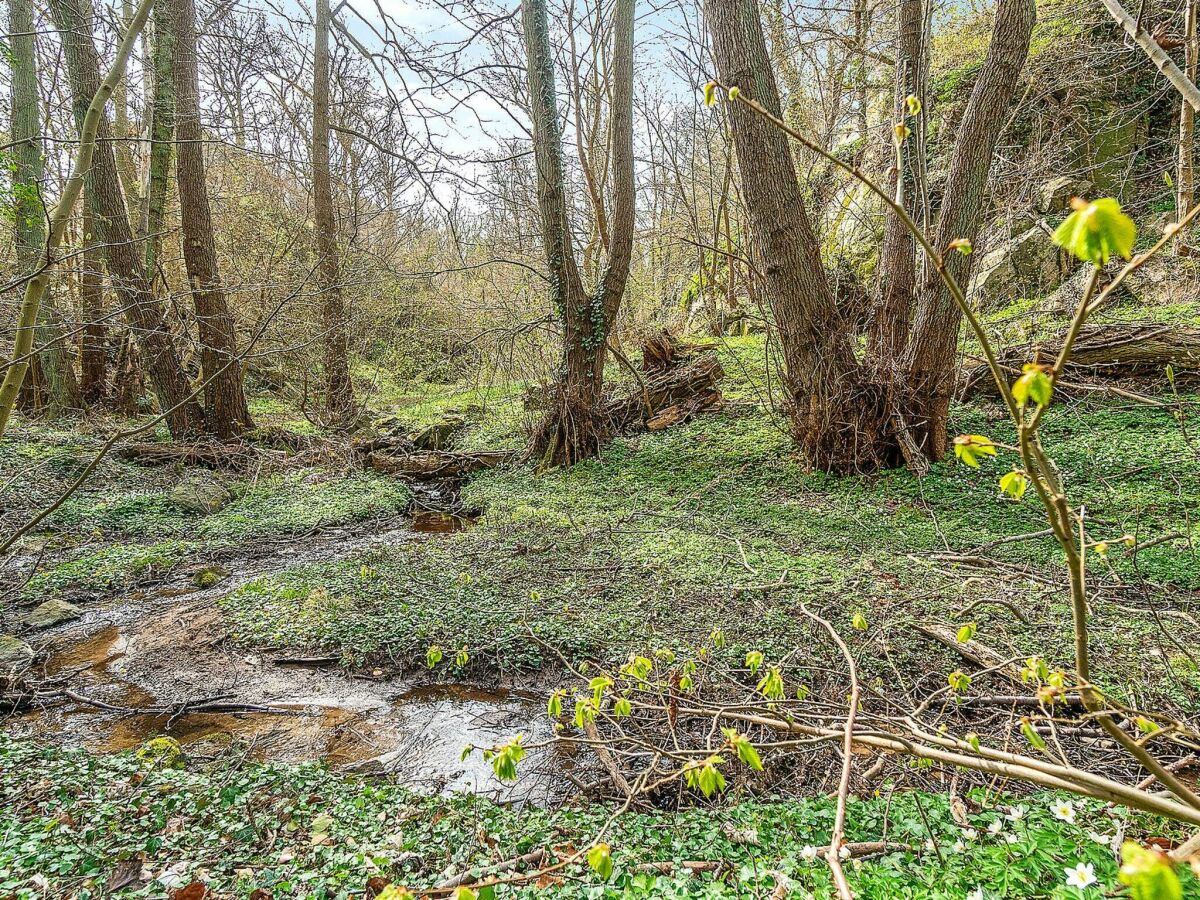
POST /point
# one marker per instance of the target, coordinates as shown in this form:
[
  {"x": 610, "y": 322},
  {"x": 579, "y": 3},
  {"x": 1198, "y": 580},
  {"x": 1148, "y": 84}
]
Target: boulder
[
  {"x": 201, "y": 494},
  {"x": 1024, "y": 266},
  {"x": 439, "y": 435},
  {"x": 51, "y": 613},
  {"x": 1055, "y": 195},
  {"x": 15, "y": 654}
]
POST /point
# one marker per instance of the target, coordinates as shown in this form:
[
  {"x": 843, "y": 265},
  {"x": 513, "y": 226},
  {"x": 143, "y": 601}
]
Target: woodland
[{"x": 486, "y": 449}]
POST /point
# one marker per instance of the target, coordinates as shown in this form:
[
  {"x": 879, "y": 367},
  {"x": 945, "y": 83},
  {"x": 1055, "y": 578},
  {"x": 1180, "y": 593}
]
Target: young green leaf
[
  {"x": 433, "y": 656},
  {"x": 710, "y": 93},
  {"x": 1014, "y": 484},
  {"x": 1033, "y": 385},
  {"x": 1096, "y": 231},
  {"x": 969, "y": 447},
  {"x": 754, "y": 660},
  {"x": 1148, "y": 874},
  {"x": 600, "y": 860},
  {"x": 966, "y": 633}
]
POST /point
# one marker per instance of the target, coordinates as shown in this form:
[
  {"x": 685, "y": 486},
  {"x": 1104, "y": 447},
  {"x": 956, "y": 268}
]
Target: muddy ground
[{"x": 164, "y": 647}]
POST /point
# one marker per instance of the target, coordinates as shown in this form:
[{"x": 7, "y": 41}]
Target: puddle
[
  {"x": 413, "y": 733},
  {"x": 436, "y": 522}
]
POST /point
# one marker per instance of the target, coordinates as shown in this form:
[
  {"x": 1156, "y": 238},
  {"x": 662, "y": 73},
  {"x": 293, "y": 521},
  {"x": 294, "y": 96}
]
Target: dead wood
[
  {"x": 230, "y": 457},
  {"x": 532, "y": 860},
  {"x": 1102, "y": 352},
  {"x": 679, "y": 381},
  {"x": 606, "y": 759},
  {"x": 973, "y": 651}
]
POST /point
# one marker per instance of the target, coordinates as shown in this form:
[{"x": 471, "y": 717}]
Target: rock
[
  {"x": 1055, "y": 195},
  {"x": 210, "y": 575},
  {"x": 202, "y": 494},
  {"x": 1024, "y": 266},
  {"x": 439, "y": 435},
  {"x": 51, "y": 613},
  {"x": 15, "y": 654}
]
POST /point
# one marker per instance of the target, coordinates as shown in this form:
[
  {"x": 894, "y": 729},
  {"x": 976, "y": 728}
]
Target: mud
[{"x": 167, "y": 647}]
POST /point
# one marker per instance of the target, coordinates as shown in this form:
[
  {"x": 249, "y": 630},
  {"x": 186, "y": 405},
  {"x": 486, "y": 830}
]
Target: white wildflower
[
  {"x": 970, "y": 834},
  {"x": 1064, "y": 811},
  {"x": 959, "y": 847},
  {"x": 1082, "y": 876},
  {"x": 809, "y": 853},
  {"x": 976, "y": 894},
  {"x": 844, "y": 853},
  {"x": 1015, "y": 813},
  {"x": 996, "y": 827},
  {"x": 1104, "y": 840},
  {"x": 1011, "y": 838}
]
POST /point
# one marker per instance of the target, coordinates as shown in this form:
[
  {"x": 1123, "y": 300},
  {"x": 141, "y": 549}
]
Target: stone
[
  {"x": 201, "y": 494},
  {"x": 15, "y": 654},
  {"x": 1025, "y": 266},
  {"x": 439, "y": 435},
  {"x": 1055, "y": 195},
  {"x": 51, "y": 613}
]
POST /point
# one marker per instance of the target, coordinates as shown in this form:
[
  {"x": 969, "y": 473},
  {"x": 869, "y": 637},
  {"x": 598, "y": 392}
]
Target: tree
[
  {"x": 29, "y": 213},
  {"x": 849, "y": 415},
  {"x": 225, "y": 399},
  {"x": 143, "y": 311},
  {"x": 90, "y": 119},
  {"x": 574, "y": 427},
  {"x": 339, "y": 392}
]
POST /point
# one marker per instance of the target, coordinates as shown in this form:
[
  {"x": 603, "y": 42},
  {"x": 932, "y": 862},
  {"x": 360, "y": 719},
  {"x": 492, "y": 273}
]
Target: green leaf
[
  {"x": 1096, "y": 231},
  {"x": 1014, "y": 484},
  {"x": 600, "y": 860},
  {"x": 959, "y": 681},
  {"x": 622, "y": 707},
  {"x": 710, "y": 93},
  {"x": 754, "y": 660},
  {"x": 554, "y": 704},
  {"x": 969, "y": 447},
  {"x": 1033, "y": 385},
  {"x": 771, "y": 684},
  {"x": 745, "y": 750},
  {"x": 966, "y": 632},
  {"x": 706, "y": 776},
  {"x": 433, "y": 656},
  {"x": 1035, "y": 740},
  {"x": 859, "y": 622},
  {"x": 1148, "y": 874}
]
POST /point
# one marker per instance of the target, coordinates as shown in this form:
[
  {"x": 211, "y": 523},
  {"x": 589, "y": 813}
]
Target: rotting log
[
  {"x": 1103, "y": 352},
  {"x": 232, "y": 457},
  {"x": 678, "y": 381}
]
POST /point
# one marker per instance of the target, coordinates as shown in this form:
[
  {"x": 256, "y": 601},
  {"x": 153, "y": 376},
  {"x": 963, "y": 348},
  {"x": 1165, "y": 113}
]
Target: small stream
[{"x": 164, "y": 646}]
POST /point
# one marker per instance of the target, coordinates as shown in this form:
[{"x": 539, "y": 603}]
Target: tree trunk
[
  {"x": 339, "y": 392},
  {"x": 29, "y": 212},
  {"x": 162, "y": 139},
  {"x": 144, "y": 313},
  {"x": 932, "y": 363},
  {"x": 892, "y": 314},
  {"x": 836, "y": 414},
  {"x": 574, "y": 427},
  {"x": 225, "y": 400},
  {"x": 1185, "y": 180},
  {"x": 93, "y": 356}
]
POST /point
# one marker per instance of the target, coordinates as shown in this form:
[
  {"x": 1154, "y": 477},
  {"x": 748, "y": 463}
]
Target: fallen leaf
[{"x": 197, "y": 890}]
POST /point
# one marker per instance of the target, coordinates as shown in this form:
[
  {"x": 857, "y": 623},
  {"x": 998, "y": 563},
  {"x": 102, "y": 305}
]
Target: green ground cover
[{"x": 74, "y": 820}]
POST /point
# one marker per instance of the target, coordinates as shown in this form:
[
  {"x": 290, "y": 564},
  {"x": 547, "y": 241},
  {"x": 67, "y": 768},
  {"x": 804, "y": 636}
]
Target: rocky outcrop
[
  {"x": 1027, "y": 265},
  {"x": 50, "y": 613}
]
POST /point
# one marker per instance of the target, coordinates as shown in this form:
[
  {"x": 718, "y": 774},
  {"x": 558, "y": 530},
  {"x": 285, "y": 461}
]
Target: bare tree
[
  {"x": 339, "y": 392},
  {"x": 224, "y": 398},
  {"x": 846, "y": 417},
  {"x": 143, "y": 311},
  {"x": 573, "y": 428}
]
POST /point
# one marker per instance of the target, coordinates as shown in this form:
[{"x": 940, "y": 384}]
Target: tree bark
[
  {"x": 29, "y": 212},
  {"x": 93, "y": 357},
  {"x": 574, "y": 427},
  {"x": 228, "y": 414},
  {"x": 1185, "y": 180},
  {"x": 162, "y": 139},
  {"x": 35, "y": 288},
  {"x": 144, "y": 313},
  {"x": 339, "y": 392},
  {"x": 892, "y": 314},
  {"x": 836, "y": 415},
  {"x": 932, "y": 363}
]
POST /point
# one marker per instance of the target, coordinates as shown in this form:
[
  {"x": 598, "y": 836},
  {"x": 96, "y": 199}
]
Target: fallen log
[
  {"x": 430, "y": 464},
  {"x": 1102, "y": 352},
  {"x": 234, "y": 456},
  {"x": 678, "y": 382}
]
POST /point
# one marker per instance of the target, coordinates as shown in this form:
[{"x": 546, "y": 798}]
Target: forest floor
[{"x": 309, "y": 589}]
